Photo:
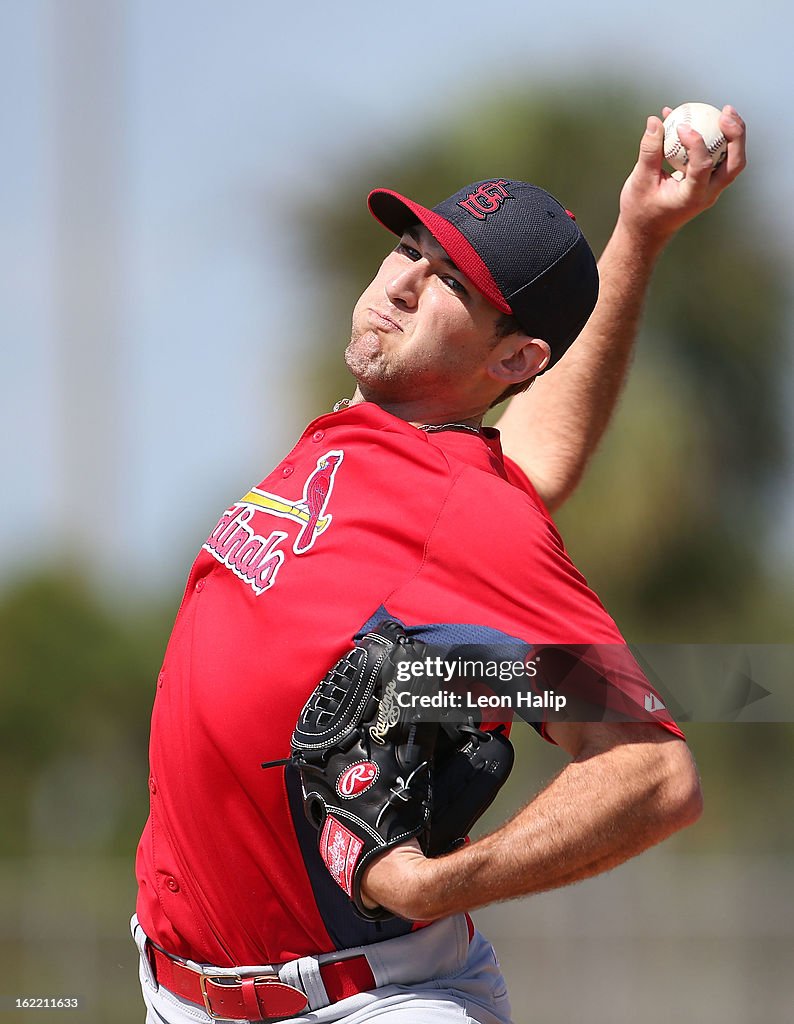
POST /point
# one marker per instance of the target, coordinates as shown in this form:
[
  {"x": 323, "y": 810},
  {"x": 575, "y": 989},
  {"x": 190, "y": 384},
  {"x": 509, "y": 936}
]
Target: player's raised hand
[{"x": 656, "y": 204}]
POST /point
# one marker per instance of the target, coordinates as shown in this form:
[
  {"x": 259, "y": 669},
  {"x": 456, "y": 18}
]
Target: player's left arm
[
  {"x": 627, "y": 787},
  {"x": 552, "y": 430}
]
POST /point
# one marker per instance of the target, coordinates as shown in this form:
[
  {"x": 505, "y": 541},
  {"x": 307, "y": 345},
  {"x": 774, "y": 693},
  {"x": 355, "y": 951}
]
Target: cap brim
[{"x": 396, "y": 213}]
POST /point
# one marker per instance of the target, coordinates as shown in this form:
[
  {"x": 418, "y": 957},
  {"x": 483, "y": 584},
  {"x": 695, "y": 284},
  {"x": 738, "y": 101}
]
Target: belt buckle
[{"x": 222, "y": 980}]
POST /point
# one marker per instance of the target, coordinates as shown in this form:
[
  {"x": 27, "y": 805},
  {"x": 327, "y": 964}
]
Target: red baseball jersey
[{"x": 367, "y": 517}]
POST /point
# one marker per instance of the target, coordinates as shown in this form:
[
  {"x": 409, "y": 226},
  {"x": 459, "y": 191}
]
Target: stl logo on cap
[{"x": 487, "y": 199}]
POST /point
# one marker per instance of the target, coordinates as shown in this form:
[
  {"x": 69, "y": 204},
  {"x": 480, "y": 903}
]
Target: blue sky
[{"x": 214, "y": 111}]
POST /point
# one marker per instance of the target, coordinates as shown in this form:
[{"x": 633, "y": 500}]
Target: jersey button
[
  {"x": 172, "y": 884},
  {"x": 152, "y": 786},
  {"x": 200, "y": 585},
  {"x": 160, "y": 679},
  {"x": 318, "y": 435},
  {"x": 288, "y": 471}
]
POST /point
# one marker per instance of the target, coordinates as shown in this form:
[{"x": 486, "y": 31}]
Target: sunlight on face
[{"x": 422, "y": 333}]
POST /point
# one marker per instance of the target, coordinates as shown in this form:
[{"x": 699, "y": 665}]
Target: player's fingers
[
  {"x": 699, "y": 165},
  {"x": 652, "y": 147},
  {"x": 732, "y": 124},
  {"x": 735, "y": 131},
  {"x": 666, "y": 111}
]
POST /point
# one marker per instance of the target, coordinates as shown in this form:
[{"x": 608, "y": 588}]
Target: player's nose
[{"x": 404, "y": 287}]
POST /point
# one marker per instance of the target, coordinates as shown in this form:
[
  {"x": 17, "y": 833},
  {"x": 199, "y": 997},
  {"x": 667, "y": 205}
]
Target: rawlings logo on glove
[{"x": 357, "y": 778}]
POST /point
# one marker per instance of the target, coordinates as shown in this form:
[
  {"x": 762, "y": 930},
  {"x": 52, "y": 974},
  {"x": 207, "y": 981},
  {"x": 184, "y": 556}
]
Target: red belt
[{"x": 262, "y": 997}]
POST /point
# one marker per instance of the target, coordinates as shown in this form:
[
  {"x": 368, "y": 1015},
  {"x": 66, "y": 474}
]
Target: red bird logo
[{"x": 315, "y": 498}]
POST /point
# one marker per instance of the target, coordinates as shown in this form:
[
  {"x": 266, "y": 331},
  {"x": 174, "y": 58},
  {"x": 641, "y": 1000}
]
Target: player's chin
[
  {"x": 364, "y": 346},
  {"x": 365, "y": 358}
]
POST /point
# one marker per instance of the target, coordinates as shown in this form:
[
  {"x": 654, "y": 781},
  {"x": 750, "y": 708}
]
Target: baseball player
[{"x": 398, "y": 507}]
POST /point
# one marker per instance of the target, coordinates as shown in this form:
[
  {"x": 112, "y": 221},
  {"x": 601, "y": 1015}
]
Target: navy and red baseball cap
[{"x": 517, "y": 245}]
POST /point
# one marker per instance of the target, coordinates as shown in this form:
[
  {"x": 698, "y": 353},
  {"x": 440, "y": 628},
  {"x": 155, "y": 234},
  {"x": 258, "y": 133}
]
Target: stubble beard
[{"x": 377, "y": 377}]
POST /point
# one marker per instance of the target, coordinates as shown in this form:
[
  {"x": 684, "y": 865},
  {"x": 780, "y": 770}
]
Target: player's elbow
[{"x": 681, "y": 796}]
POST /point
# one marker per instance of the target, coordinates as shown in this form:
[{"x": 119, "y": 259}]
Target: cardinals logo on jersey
[
  {"x": 256, "y": 559},
  {"x": 309, "y": 509}
]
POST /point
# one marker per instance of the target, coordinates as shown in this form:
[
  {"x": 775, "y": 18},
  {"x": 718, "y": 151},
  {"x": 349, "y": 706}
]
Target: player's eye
[
  {"x": 454, "y": 284},
  {"x": 409, "y": 251}
]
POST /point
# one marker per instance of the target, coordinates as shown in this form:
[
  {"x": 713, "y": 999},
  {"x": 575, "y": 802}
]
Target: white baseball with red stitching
[{"x": 704, "y": 119}]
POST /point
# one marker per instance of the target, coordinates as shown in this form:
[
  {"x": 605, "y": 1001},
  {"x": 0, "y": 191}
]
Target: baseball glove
[
  {"x": 365, "y": 761},
  {"x": 377, "y": 770},
  {"x": 470, "y": 767}
]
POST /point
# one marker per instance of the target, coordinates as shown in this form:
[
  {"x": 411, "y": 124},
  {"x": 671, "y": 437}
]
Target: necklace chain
[{"x": 431, "y": 428}]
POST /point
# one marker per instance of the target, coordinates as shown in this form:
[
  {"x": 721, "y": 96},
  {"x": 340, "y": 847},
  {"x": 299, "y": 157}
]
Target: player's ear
[{"x": 517, "y": 358}]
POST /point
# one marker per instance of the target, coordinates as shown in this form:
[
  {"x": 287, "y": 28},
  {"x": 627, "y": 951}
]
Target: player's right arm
[
  {"x": 629, "y": 784},
  {"x": 552, "y": 430}
]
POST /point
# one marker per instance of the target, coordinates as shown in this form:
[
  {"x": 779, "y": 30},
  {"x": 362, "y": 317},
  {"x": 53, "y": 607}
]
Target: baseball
[{"x": 704, "y": 119}]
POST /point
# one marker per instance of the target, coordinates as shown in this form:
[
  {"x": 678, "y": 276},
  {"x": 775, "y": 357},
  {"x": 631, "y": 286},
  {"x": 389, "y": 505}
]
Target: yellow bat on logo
[{"x": 297, "y": 512}]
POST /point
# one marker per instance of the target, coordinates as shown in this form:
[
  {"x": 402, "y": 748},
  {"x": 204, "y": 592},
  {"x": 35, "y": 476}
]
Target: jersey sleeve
[{"x": 496, "y": 564}]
